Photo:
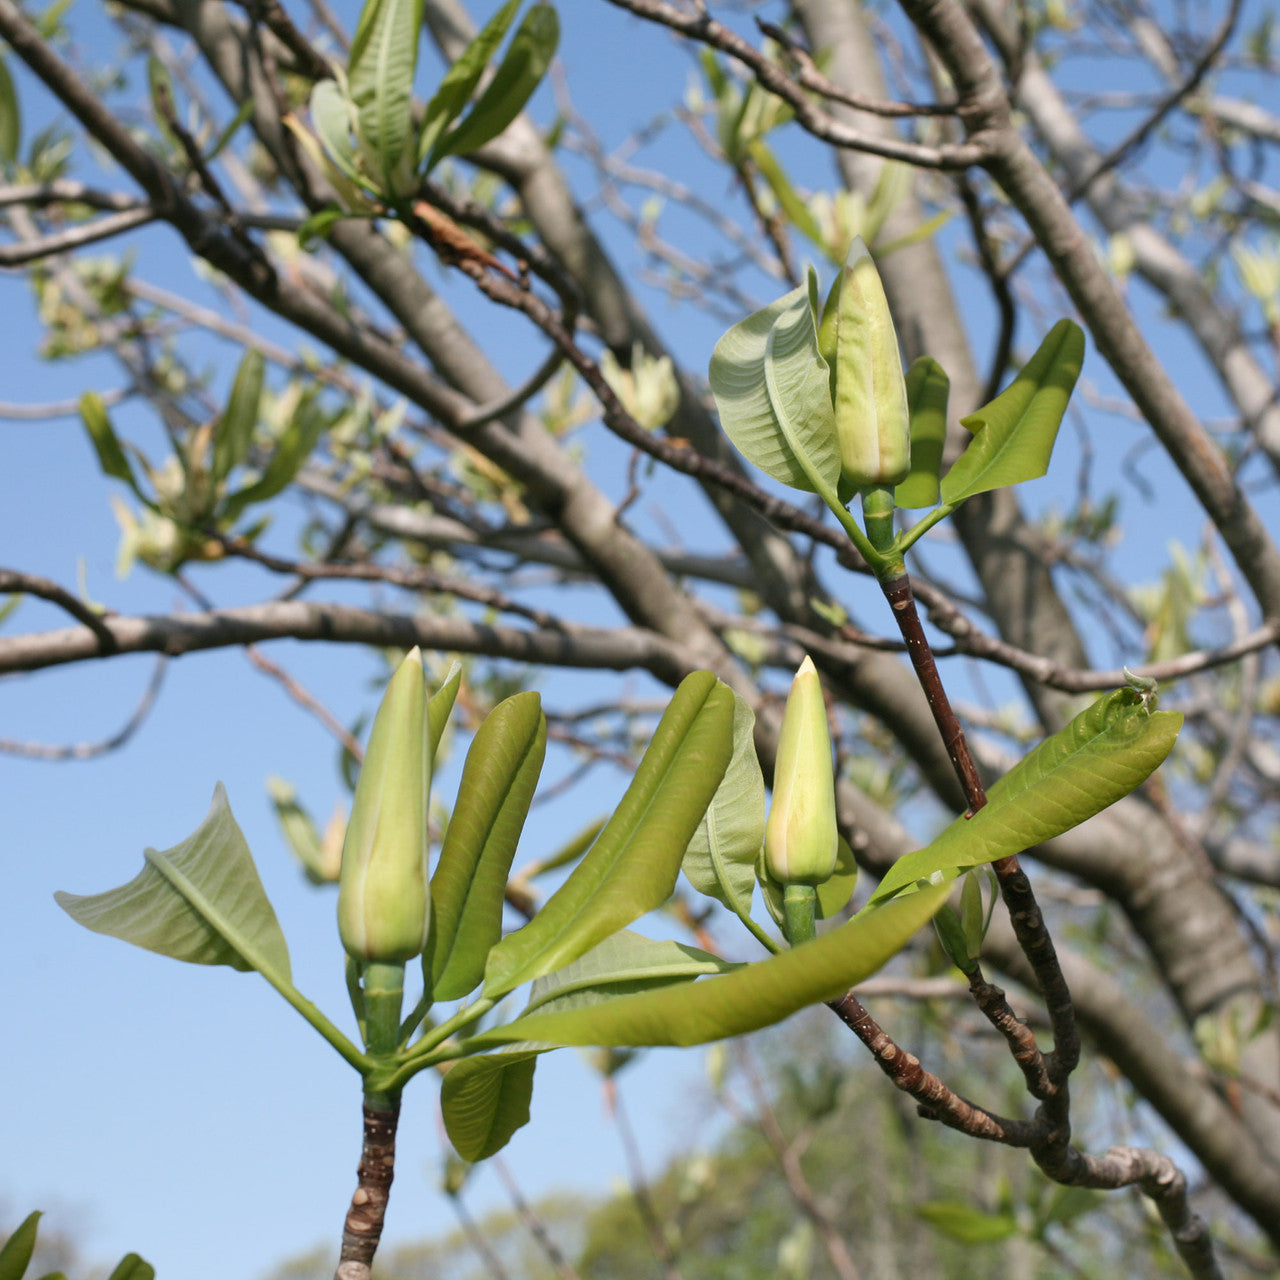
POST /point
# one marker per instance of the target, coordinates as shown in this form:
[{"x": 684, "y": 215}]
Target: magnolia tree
[{"x": 322, "y": 177}]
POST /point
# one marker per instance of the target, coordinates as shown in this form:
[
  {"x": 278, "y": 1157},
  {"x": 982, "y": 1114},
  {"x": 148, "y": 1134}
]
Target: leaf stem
[{"x": 348, "y": 1051}]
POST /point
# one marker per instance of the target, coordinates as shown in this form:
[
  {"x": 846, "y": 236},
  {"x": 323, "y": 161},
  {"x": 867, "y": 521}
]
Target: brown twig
[{"x": 363, "y": 1228}]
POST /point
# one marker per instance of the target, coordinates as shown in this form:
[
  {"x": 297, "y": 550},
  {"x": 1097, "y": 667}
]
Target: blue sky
[{"x": 186, "y": 1113}]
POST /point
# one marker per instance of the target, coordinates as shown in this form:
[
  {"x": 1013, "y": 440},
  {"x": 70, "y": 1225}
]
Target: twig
[
  {"x": 114, "y": 224},
  {"x": 536, "y": 1227},
  {"x": 13, "y": 582},
  {"x": 363, "y": 1228}
]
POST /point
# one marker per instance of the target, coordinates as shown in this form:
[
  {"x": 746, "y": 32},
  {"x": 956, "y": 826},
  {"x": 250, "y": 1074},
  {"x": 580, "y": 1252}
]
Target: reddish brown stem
[
  {"x": 936, "y": 1100},
  {"x": 377, "y": 1166},
  {"x": 1015, "y": 888}
]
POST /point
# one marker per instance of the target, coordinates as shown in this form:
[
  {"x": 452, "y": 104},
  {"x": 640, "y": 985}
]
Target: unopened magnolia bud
[
  {"x": 872, "y": 421},
  {"x": 383, "y": 897},
  {"x": 800, "y": 838}
]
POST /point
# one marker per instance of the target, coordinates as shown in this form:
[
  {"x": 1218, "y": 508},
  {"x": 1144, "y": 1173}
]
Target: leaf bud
[
  {"x": 383, "y": 897},
  {"x": 800, "y": 837},
  {"x": 872, "y": 421}
]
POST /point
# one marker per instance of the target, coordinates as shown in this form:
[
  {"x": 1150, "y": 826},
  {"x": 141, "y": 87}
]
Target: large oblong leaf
[
  {"x": 470, "y": 880},
  {"x": 15, "y": 1257},
  {"x": 485, "y": 1100},
  {"x": 10, "y": 118},
  {"x": 721, "y": 858},
  {"x": 754, "y": 996},
  {"x": 518, "y": 75},
  {"x": 773, "y": 390},
  {"x": 201, "y": 901},
  {"x": 1103, "y": 754},
  {"x": 632, "y": 867},
  {"x": 1014, "y": 434}
]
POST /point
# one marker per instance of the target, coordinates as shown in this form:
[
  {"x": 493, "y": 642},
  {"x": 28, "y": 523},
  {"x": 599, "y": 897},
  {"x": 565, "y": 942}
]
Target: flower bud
[
  {"x": 800, "y": 839},
  {"x": 872, "y": 422},
  {"x": 383, "y": 899}
]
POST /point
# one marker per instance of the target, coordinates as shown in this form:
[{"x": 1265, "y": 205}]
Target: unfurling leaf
[
  {"x": 1014, "y": 434},
  {"x": 773, "y": 391},
  {"x": 1103, "y": 754},
  {"x": 201, "y": 901}
]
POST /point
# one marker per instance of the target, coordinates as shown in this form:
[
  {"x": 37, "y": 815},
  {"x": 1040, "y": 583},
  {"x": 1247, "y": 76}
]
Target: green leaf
[
  {"x": 772, "y": 388},
  {"x": 319, "y": 224},
  {"x": 467, "y": 889},
  {"x": 485, "y": 1100},
  {"x": 300, "y": 437},
  {"x": 1014, "y": 434},
  {"x": 755, "y": 996},
  {"x": 234, "y": 435},
  {"x": 384, "y": 56},
  {"x": 928, "y": 389},
  {"x": 721, "y": 858},
  {"x": 111, "y": 455},
  {"x": 17, "y": 1251},
  {"x": 621, "y": 964},
  {"x": 10, "y": 118},
  {"x": 440, "y": 706},
  {"x": 1110, "y": 748},
  {"x": 632, "y": 867},
  {"x": 132, "y": 1267},
  {"x": 792, "y": 203},
  {"x": 200, "y": 901},
  {"x": 461, "y": 79},
  {"x": 518, "y": 75},
  {"x": 966, "y": 1224}
]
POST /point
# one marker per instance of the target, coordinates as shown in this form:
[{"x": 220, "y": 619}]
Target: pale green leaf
[
  {"x": 384, "y": 56},
  {"x": 485, "y": 1100},
  {"x": 294, "y": 447},
  {"x": 721, "y": 858},
  {"x": 106, "y": 444},
  {"x": 518, "y": 75},
  {"x": 632, "y": 867},
  {"x": 200, "y": 901},
  {"x": 928, "y": 389},
  {"x": 234, "y": 433},
  {"x": 440, "y": 706},
  {"x": 966, "y": 1224},
  {"x": 461, "y": 79},
  {"x": 467, "y": 889},
  {"x": 331, "y": 114},
  {"x": 1110, "y": 748},
  {"x": 755, "y": 996},
  {"x": 624, "y": 962},
  {"x": 772, "y": 388},
  {"x": 1014, "y": 434},
  {"x": 792, "y": 203}
]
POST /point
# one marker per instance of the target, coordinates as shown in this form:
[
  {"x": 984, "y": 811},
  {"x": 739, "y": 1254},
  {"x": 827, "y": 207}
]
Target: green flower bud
[
  {"x": 383, "y": 899},
  {"x": 800, "y": 839},
  {"x": 872, "y": 422}
]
